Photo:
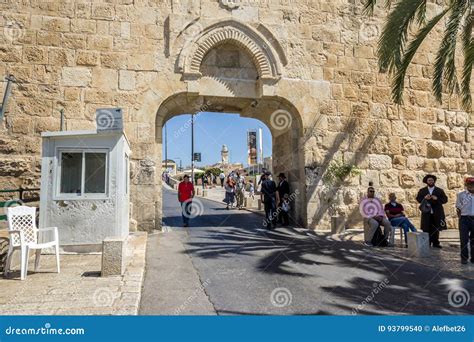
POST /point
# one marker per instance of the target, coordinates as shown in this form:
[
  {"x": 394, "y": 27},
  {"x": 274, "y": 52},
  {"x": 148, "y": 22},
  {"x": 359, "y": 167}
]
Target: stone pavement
[
  {"x": 172, "y": 285},
  {"x": 78, "y": 289},
  {"x": 443, "y": 259}
]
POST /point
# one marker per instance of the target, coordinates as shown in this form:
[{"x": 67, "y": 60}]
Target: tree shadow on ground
[{"x": 371, "y": 280}]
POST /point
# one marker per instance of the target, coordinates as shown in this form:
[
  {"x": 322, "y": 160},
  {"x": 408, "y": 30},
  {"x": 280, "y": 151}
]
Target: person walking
[
  {"x": 251, "y": 190},
  {"x": 465, "y": 211},
  {"x": 433, "y": 219},
  {"x": 270, "y": 198},
  {"x": 229, "y": 192},
  {"x": 240, "y": 190},
  {"x": 185, "y": 198},
  {"x": 222, "y": 178},
  {"x": 283, "y": 189}
]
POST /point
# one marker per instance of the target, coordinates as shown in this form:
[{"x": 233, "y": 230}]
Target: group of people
[
  {"x": 433, "y": 219},
  {"x": 235, "y": 190}
]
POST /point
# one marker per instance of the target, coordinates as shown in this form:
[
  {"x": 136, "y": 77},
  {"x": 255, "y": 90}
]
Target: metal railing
[{"x": 18, "y": 200}]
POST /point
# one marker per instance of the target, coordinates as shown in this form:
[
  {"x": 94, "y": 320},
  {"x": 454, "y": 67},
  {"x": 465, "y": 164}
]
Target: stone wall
[{"x": 81, "y": 55}]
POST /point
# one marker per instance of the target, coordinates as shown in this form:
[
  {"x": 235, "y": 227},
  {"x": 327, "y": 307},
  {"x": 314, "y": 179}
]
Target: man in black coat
[
  {"x": 270, "y": 198},
  {"x": 433, "y": 219},
  {"x": 283, "y": 189}
]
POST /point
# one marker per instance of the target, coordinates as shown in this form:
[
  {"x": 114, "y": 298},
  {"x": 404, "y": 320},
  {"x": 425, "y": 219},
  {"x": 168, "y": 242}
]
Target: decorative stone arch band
[{"x": 263, "y": 55}]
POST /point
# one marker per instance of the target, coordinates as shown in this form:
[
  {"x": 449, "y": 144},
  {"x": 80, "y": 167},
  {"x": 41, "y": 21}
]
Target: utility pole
[{"x": 192, "y": 148}]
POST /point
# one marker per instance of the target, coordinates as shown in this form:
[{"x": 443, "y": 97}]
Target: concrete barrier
[
  {"x": 113, "y": 256},
  {"x": 419, "y": 244},
  {"x": 204, "y": 193}
]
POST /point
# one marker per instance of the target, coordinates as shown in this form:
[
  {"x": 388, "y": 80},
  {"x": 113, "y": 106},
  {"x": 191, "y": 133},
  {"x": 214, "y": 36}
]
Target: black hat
[
  {"x": 425, "y": 179},
  {"x": 282, "y": 175}
]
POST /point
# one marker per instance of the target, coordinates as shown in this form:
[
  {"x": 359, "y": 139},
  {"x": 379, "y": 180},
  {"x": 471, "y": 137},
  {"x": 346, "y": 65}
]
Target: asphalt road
[{"x": 245, "y": 269}]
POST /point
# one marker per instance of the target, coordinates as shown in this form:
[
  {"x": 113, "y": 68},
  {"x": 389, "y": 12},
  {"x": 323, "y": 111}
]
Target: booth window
[{"x": 83, "y": 173}]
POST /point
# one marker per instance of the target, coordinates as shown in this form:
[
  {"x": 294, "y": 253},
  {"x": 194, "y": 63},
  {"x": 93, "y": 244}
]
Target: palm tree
[{"x": 396, "y": 49}]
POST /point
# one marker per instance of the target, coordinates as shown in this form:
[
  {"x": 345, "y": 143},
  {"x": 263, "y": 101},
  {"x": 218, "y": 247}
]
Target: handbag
[{"x": 425, "y": 206}]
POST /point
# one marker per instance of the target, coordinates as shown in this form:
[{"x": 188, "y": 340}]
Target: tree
[{"x": 396, "y": 48}]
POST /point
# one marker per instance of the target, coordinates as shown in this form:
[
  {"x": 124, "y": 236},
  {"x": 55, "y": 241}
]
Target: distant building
[
  {"x": 169, "y": 165},
  {"x": 224, "y": 155}
]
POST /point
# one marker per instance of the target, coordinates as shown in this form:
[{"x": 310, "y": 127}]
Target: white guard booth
[{"x": 85, "y": 189}]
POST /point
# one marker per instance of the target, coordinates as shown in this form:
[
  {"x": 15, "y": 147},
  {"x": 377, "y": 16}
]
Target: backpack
[{"x": 379, "y": 239}]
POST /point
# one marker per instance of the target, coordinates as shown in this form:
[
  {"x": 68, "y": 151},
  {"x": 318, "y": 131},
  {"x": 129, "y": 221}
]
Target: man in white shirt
[{"x": 465, "y": 211}]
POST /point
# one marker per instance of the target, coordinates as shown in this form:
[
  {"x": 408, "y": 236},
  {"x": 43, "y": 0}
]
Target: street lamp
[{"x": 10, "y": 79}]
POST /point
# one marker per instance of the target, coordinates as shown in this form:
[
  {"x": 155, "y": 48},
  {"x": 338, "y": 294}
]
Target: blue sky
[{"x": 212, "y": 130}]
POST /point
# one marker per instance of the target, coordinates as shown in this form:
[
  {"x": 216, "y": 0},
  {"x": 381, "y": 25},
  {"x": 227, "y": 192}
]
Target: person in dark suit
[
  {"x": 283, "y": 189},
  {"x": 270, "y": 198},
  {"x": 433, "y": 219}
]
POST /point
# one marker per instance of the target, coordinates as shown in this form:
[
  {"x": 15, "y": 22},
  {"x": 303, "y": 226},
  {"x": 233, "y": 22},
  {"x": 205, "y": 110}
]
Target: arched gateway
[{"x": 230, "y": 67}]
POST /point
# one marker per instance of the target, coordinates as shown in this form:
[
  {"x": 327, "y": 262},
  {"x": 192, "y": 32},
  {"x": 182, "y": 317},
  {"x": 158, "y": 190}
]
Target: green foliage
[
  {"x": 337, "y": 172},
  {"x": 198, "y": 175},
  {"x": 213, "y": 170},
  {"x": 396, "y": 48}
]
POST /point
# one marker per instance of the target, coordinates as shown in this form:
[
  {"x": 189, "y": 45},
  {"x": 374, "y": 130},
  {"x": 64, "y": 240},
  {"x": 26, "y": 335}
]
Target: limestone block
[
  {"x": 399, "y": 162},
  {"x": 56, "y": 24},
  {"x": 441, "y": 133},
  {"x": 48, "y": 38},
  {"x": 101, "y": 43},
  {"x": 104, "y": 79},
  {"x": 447, "y": 164},
  {"x": 399, "y": 128},
  {"x": 380, "y": 162},
  {"x": 452, "y": 149},
  {"x": 408, "y": 147},
  {"x": 33, "y": 54},
  {"x": 434, "y": 149},
  {"x": 418, "y": 244},
  {"x": 430, "y": 165},
  {"x": 458, "y": 134},
  {"x": 76, "y": 76},
  {"x": 87, "y": 58},
  {"x": 126, "y": 80},
  {"x": 83, "y": 26},
  {"x": 407, "y": 180},
  {"x": 419, "y": 130},
  {"x": 103, "y": 11},
  {"x": 113, "y": 256},
  {"x": 414, "y": 162},
  {"x": 455, "y": 181}
]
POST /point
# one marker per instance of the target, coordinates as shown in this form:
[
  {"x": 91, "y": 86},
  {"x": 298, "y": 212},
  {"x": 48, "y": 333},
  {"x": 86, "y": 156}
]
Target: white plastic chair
[{"x": 25, "y": 236}]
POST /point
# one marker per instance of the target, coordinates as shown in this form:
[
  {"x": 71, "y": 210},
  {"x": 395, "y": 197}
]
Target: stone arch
[
  {"x": 288, "y": 154},
  {"x": 266, "y": 59}
]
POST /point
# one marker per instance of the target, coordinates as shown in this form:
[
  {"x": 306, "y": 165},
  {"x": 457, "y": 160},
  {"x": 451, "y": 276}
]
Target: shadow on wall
[
  {"x": 300, "y": 253},
  {"x": 315, "y": 171}
]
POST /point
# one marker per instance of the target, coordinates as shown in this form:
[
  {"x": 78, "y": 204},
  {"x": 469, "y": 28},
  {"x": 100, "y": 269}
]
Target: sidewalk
[
  {"x": 78, "y": 289},
  {"x": 447, "y": 258}
]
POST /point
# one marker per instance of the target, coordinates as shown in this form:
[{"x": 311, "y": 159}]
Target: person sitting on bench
[
  {"x": 374, "y": 223},
  {"x": 396, "y": 215}
]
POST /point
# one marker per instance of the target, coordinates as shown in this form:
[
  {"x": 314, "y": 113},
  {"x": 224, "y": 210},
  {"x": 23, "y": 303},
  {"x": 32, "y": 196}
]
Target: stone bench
[
  {"x": 418, "y": 244},
  {"x": 113, "y": 256}
]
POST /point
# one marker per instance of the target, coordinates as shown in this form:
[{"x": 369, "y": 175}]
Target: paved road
[{"x": 241, "y": 268}]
